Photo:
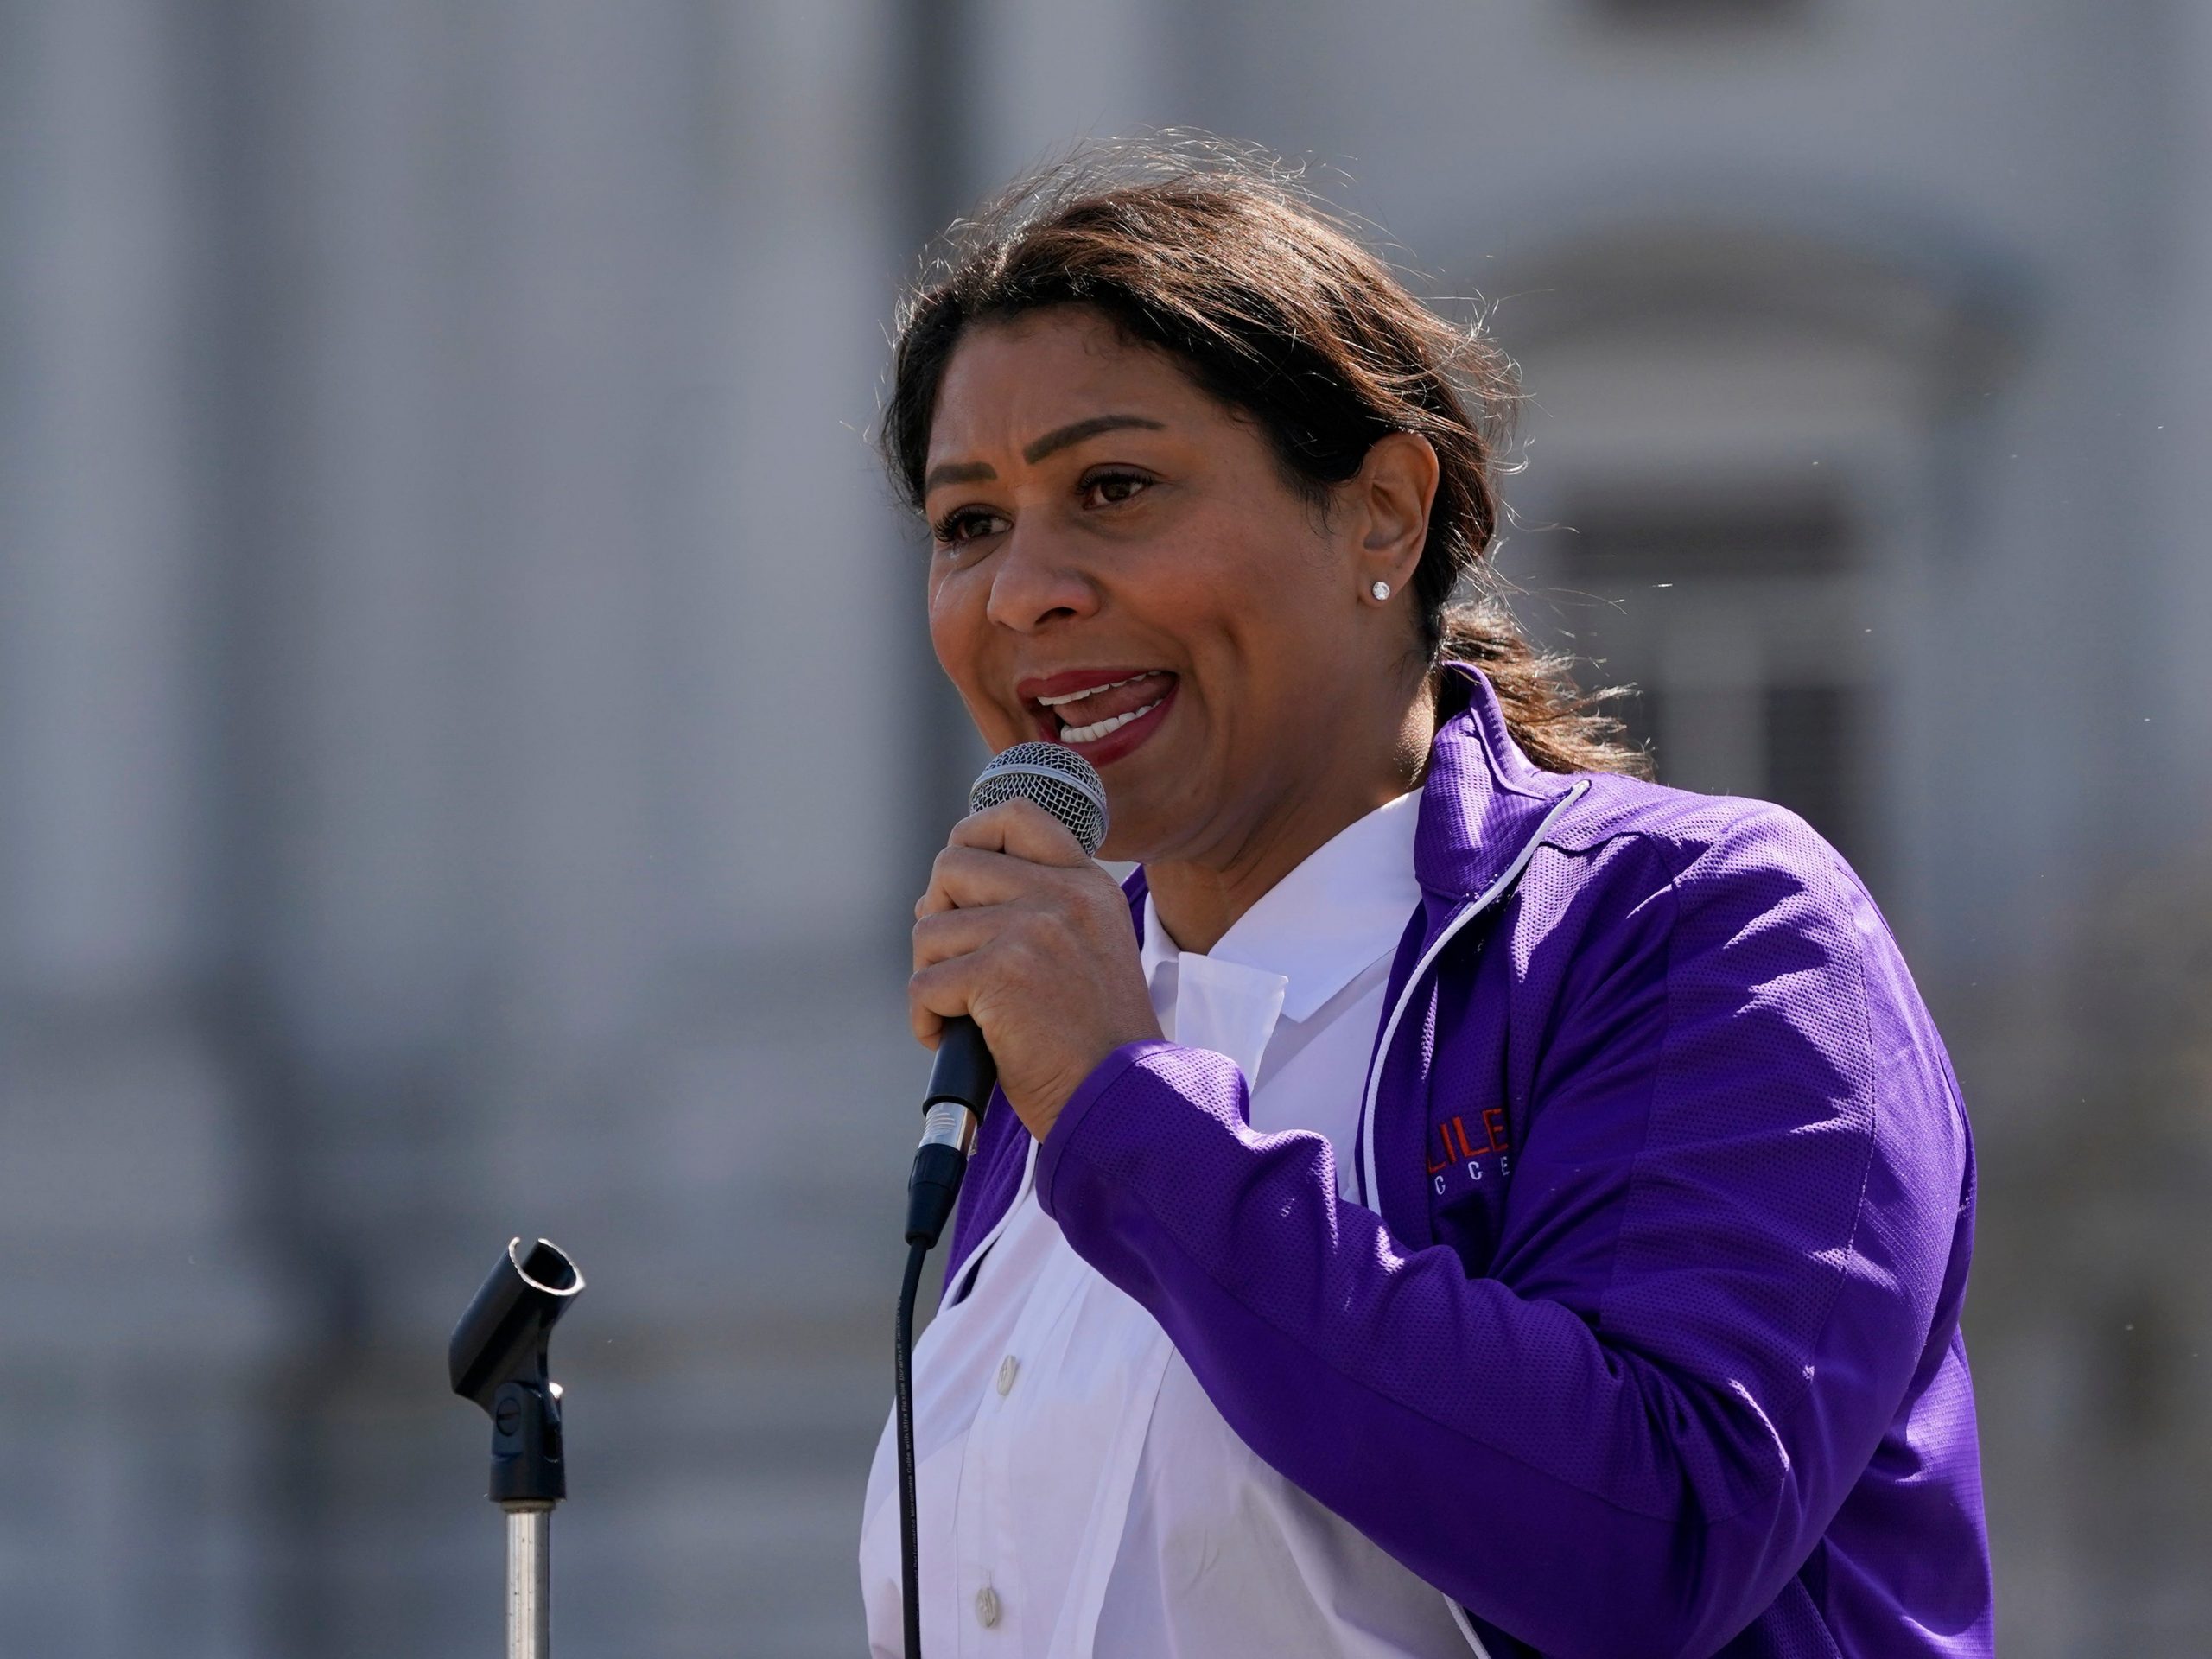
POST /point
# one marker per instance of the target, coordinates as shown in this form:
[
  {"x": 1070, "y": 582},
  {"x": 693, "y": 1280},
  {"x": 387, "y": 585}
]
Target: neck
[{"x": 1198, "y": 899}]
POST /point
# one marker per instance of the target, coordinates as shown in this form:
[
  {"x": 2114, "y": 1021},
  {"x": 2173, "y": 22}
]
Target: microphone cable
[{"x": 910, "y": 1520}]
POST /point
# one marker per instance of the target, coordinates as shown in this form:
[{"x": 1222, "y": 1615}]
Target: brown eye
[
  {"x": 962, "y": 526},
  {"x": 1111, "y": 489}
]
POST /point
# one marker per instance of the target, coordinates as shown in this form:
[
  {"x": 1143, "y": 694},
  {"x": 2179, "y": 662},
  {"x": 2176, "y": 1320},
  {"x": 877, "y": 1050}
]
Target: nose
[{"x": 1036, "y": 584}]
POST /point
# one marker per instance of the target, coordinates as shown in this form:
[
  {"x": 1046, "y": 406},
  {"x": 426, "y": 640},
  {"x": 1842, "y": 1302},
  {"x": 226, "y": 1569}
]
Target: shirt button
[
  {"x": 987, "y": 1606},
  {"x": 1009, "y": 1368}
]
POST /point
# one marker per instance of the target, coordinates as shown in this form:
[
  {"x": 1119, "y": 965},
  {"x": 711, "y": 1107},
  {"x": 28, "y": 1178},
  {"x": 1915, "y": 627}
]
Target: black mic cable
[{"x": 961, "y": 1080}]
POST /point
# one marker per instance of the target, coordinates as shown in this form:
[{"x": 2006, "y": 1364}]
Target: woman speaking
[{"x": 1459, "y": 1197}]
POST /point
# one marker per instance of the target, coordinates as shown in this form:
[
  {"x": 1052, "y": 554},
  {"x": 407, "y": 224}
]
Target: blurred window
[{"x": 1737, "y": 616}]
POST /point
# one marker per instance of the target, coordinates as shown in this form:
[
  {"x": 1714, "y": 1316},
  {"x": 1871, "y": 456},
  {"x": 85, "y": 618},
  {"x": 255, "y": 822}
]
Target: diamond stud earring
[{"x": 1381, "y": 590}]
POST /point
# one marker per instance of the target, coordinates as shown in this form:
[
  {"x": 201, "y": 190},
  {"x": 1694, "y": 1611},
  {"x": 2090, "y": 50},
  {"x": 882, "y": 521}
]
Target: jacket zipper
[{"x": 1370, "y": 1185}]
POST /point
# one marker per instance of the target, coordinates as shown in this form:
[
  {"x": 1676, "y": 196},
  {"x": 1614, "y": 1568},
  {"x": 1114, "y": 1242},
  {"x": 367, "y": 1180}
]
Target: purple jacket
[{"x": 1644, "y": 1339}]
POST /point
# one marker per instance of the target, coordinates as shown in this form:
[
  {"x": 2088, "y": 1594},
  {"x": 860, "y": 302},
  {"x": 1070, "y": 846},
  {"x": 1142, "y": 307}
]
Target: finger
[
  {"x": 1024, "y": 830},
  {"x": 972, "y": 876},
  {"x": 940, "y": 895},
  {"x": 935, "y": 994},
  {"x": 928, "y": 1028},
  {"x": 951, "y": 933}
]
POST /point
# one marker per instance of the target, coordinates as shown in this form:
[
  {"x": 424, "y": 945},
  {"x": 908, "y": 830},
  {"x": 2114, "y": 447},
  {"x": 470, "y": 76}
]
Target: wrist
[{"x": 1041, "y": 1108}]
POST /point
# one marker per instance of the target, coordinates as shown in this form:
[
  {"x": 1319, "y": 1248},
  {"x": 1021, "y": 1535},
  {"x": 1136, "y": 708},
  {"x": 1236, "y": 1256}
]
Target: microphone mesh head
[{"x": 1057, "y": 778}]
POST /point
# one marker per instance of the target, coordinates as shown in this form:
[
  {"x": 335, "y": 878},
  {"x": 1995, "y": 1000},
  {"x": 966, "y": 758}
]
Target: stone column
[
  {"x": 135, "y": 1315},
  {"x": 2182, "y": 435}
]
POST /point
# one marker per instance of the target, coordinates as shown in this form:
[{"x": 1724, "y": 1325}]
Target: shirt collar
[{"x": 1341, "y": 909}]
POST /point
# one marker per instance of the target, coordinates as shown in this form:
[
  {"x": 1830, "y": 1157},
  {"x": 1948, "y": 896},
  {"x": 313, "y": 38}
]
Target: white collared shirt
[{"x": 1080, "y": 1496}]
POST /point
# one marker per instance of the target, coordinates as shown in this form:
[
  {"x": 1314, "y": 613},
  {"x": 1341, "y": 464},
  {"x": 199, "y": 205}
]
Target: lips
[{"x": 1089, "y": 705}]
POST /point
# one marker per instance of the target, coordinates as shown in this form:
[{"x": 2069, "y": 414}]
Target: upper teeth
[
  {"x": 1088, "y": 692},
  {"x": 1111, "y": 723}
]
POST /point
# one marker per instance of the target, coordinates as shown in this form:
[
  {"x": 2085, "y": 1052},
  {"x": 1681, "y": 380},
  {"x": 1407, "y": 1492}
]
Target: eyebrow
[
  {"x": 971, "y": 472},
  {"x": 1061, "y": 437},
  {"x": 957, "y": 472}
]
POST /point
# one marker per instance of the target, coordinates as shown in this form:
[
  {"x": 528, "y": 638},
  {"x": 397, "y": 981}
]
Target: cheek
[
  {"x": 955, "y": 621},
  {"x": 1256, "y": 602},
  {"x": 963, "y": 639}
]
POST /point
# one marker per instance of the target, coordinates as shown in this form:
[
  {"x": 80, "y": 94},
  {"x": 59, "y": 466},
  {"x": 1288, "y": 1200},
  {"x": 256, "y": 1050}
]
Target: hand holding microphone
[{"x": 1021, "y": 933}]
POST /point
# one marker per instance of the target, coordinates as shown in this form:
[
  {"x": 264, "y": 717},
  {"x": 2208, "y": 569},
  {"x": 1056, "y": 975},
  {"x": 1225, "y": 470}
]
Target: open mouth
[{"x": 1088, "y": 707}]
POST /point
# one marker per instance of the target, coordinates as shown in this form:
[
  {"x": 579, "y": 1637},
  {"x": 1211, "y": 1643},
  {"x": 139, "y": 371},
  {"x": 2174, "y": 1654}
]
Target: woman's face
[{"x": 1118, "y": 565}]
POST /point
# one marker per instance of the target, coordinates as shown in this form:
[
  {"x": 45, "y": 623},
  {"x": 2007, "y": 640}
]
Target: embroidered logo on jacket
[{"x": 1452, "y": 1136}]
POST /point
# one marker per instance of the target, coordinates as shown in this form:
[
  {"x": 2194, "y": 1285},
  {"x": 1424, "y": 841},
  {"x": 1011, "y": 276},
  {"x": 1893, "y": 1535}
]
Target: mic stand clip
[{"x": 498, "y": 1357}]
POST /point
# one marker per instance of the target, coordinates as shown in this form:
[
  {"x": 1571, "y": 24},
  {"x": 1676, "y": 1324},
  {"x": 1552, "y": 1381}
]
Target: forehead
[{"x": 1008, "y": 382}]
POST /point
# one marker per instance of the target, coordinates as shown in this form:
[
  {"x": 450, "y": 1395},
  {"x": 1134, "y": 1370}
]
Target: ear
[{"x": 1391, "y": 496}]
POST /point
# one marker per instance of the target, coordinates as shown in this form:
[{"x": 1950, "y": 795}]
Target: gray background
[{"x": 445, "y": 587}]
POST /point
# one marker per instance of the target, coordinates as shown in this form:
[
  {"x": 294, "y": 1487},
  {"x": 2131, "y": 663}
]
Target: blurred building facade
[{"x": 466, "y": 744}]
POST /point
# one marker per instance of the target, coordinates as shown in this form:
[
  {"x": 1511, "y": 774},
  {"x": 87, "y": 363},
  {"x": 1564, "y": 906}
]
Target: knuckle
[
  {"x": 948, "y": 878},
  {"x": 935, "y": 938},
  {"x": 935, "y": 985}
]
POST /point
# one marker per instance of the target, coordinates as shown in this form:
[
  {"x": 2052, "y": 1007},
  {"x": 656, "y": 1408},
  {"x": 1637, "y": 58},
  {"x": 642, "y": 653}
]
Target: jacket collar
[{"x": 1481, "y": 800}]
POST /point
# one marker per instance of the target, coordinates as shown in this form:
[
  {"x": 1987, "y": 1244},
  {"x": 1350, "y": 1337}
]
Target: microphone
[{"x": 1066, "y": 785}]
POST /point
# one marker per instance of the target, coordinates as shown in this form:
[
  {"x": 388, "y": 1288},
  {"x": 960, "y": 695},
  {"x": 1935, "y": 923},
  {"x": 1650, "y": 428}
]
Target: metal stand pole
[{"x": 529, "y": 1581}]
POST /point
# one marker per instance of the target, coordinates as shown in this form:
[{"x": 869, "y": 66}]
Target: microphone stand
[{"x": 498, "y": 1358}]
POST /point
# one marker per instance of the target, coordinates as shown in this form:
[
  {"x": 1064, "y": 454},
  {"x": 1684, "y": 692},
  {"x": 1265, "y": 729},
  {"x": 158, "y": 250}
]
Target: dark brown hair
[{"x": 1219, "y": 257}]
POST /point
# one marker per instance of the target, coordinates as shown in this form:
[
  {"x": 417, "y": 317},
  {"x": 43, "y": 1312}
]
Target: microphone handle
[
  {"x": 963, "y": 1069},
  {"x": 960, "y": 1081}
]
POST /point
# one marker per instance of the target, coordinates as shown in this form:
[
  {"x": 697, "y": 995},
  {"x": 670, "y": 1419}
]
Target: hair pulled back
[{"x": 1219, "y": 257}]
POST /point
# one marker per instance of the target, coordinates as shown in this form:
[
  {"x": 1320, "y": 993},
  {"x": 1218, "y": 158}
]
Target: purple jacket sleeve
[{"x": 1727, "y": 1230}]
